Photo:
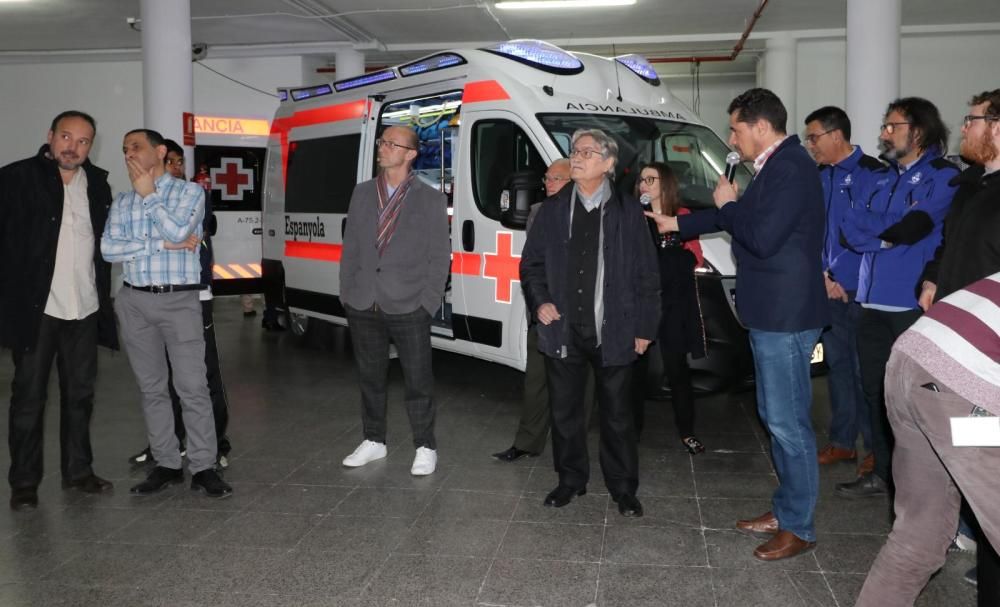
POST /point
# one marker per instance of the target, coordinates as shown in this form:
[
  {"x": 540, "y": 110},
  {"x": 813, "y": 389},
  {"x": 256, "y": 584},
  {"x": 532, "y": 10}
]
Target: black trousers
[
  {"x": 567, "y": 377},
  {"x": 73, "y": 344},
  {"x": 216, "y": 387},
  {"x": 877, "y": 331},
  {"x": 371, "y": 332},
  {"x": 677, "y": 375}
]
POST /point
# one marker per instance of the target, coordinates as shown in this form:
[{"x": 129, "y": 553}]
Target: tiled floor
[{"x": 302, "y": 530}]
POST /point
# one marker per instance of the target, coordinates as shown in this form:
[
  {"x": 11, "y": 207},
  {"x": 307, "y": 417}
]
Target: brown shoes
[
  {"x": 782, "y": 546},
  {"x": 832, "y": 454},
  {"x": 763, "y": 526},
  {"x": 866, "y": 465}
]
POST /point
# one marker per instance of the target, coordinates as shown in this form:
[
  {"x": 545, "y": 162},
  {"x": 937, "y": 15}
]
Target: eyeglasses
[
  {"x": 585, "y": 154},
  {"x": 811, "y": 139},
  {"x": 968, "y": 120},
  {"x": 890, "y": 127},
  {"x": 550, "y": 178},
  {"x": 647, "y": 180},
  {"x": 392, "y": 145}
]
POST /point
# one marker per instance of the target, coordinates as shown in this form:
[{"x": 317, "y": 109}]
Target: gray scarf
[{"x": 598, "y": 200}]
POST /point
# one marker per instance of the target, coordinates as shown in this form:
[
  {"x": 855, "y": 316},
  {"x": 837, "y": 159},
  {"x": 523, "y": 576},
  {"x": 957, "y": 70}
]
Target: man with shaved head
[{"x": 393, "y": 270}]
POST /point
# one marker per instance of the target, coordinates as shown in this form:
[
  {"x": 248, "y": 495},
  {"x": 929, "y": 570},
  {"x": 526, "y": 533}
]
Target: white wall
[
  {"x": 32, "y": 95},
  {"x": 716, "y": 93},
  {"x": 946, "y": 69}
]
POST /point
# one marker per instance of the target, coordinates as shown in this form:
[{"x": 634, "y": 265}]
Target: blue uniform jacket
[
  {"x": 631, "y": 276},
  {"x": 843, "y": 184},
  {"x": 777, "y": 227},
  {"x": 897, "y": 228}
]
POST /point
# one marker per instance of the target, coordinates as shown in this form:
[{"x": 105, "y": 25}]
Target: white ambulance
[{"x": 483, "y": 115}]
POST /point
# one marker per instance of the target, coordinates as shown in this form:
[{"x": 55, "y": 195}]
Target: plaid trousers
[{"x": 371, "y": 332}]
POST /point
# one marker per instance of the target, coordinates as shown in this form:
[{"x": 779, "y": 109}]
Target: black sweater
[{"x": 970, "y": 248}]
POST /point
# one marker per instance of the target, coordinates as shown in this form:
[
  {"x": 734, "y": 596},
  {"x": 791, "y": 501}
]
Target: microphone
[
  {"x": 732, "y": 161},
  {"x": 645, "y": 200}
]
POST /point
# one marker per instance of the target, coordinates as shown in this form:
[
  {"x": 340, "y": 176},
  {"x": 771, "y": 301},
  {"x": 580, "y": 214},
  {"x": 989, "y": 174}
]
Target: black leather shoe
[
  {"x": 628, "y": 505},
  {"x": 211, "y": 484},
  {"x": 88, "y": 484},
  {"x": 562, "y": 495},
  {"x": 24, "y": 499},
  {"x": 158, "y": 480},
  {"x": 513, "y": 454},
  {"x": 866, "y": 485}
]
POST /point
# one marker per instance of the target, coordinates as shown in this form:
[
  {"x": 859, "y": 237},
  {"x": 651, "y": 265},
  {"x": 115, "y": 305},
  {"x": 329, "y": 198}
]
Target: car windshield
[{"x": 696, "y": 154}]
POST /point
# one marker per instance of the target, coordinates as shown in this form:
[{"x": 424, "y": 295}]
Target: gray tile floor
[{"x": 302, "y": 530}]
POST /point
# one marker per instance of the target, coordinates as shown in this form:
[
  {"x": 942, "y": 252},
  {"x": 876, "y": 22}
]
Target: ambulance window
[
  {"x": 322, "y": 174},
  {"x": 499, "y": 148}
]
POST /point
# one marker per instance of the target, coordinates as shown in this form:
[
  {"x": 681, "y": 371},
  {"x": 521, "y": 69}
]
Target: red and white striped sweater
[{"x": 958, "y": 342}]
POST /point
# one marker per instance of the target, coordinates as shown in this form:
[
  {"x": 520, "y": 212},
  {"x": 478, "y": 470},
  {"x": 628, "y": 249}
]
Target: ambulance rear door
[
  {"x": 321, "y": 170},
  {"x": 229, "y": 162}
]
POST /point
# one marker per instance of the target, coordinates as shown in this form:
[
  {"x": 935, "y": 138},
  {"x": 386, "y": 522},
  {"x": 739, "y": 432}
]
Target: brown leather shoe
[
  {"x": 867, "y": 464},
  {"x": 832, "y": 454},
  {"x": 764, "y": 525},
  {"x": 784, "y": 545}
]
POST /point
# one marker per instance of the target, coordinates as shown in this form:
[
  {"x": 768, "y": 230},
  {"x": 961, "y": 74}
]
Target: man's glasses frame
[
  {"x": 969, "y": 119},
  {"x": 392, "y": 145},
  {"x": 890, "y": 127},
  {"x": 812, "y": 139}
]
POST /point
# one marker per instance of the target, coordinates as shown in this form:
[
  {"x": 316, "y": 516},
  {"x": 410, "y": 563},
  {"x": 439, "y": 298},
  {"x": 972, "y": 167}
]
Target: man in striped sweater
[{"x": 947, "y": 365}]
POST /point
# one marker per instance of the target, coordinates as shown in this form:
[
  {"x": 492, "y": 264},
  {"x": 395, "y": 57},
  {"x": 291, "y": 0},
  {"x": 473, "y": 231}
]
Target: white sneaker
[
  {"x": 962, "y": 543},
  {"x": 424, "y": 462},
  {"x": 367, "y": 451}
]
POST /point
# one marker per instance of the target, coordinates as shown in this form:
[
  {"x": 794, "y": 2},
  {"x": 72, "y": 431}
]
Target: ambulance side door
[{"x": 496, "y": 143}]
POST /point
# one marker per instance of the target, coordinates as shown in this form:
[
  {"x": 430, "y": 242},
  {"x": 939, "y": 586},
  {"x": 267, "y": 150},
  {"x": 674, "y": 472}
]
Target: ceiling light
[{"x": 521, "y": 4}]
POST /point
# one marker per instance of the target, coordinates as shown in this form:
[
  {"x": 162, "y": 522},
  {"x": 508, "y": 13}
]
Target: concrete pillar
[
  {"x": 872, "y": 66},
  {"x": 779, "y": 72},
  {"x": 167, "y": 81},
  {"x": 349, "y": 63}
]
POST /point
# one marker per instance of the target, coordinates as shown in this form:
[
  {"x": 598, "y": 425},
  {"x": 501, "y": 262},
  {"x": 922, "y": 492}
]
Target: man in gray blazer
[{"x": 393, "y": 270}]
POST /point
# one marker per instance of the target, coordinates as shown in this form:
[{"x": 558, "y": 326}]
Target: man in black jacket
[
  {"x": 55, "y": 300},
  {"x": 589, "y": 275}
]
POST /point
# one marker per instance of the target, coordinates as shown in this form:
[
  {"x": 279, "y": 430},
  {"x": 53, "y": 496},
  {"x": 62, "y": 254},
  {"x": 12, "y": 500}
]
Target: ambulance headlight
[
  {"x": 538, "y": 54},
  {"x": 641, "y": 67}
]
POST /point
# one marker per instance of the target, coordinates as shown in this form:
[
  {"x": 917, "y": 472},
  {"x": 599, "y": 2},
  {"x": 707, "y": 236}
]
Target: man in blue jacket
[
  {"x": 897, "y": 226},
  {"x": 777, "y": 227},
  {"x": 589, "y": 275},
  {"x": 845, "y": 171}
]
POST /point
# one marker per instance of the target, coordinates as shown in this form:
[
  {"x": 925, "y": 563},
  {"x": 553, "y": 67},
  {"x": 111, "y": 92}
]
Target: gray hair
[{"x": 609, "y": 148}]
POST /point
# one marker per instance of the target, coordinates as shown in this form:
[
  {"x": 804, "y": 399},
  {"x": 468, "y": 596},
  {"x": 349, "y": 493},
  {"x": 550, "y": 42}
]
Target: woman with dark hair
[{"x": 681, "y": 331}]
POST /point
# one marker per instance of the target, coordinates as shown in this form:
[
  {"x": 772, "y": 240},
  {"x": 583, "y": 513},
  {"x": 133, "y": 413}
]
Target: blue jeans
[
  {"x": 784, "y": 398},
  {"x": 848, "y": 407}
]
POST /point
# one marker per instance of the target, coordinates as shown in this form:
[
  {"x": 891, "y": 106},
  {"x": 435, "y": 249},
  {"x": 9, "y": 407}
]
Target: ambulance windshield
[{"x": 696, "y": 154}]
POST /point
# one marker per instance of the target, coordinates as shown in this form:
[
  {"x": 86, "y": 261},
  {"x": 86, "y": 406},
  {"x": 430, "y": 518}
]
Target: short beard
[
  {"x": 980, "y": 151},
  {"x": 891, "y": 152}
]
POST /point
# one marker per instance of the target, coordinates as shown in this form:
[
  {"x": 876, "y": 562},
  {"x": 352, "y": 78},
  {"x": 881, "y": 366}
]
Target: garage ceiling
[{"x": 390, "y": 31}]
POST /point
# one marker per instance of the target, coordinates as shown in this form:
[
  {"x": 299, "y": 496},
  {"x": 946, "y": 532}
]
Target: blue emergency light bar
[
  {"x": 282, "y": 95},
  {"x": 432, "y": 63},
  {"x": 538, "y": 54},
  {"x": 353, "y": 83},
  {"x": 641, "y": 67},
  {"x": 312, "y": 91}
]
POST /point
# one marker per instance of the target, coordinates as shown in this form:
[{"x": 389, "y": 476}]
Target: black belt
[{"x": 166, "y": 288}]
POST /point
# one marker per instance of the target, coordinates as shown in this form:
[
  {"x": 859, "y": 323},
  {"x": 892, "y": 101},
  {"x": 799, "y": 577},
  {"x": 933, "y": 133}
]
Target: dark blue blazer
[{"x": 777, "y": 227}]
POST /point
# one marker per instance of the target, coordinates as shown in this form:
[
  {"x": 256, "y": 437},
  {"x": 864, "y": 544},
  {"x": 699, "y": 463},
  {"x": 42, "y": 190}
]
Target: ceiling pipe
[{"x": 719, "y": 58}]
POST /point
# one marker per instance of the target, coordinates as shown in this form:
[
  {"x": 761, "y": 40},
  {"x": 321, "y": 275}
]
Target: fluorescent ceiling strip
[{"x": 523, "y": 4}]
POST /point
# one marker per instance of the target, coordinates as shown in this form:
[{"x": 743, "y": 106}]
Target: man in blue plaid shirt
[{"x": 154, "y": 230}]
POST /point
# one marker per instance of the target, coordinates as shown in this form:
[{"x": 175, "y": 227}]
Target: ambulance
[
  {"x": 484, "y": 115},
  {"x": 229, "y": 161}
]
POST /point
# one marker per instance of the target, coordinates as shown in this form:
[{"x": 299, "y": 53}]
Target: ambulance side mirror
[{"x": 521, "y": 190}]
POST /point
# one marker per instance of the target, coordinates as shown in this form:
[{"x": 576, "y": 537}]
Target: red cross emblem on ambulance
[
  {"x": 231, "y": 178},
  {"x": 503, "y": 266}
]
